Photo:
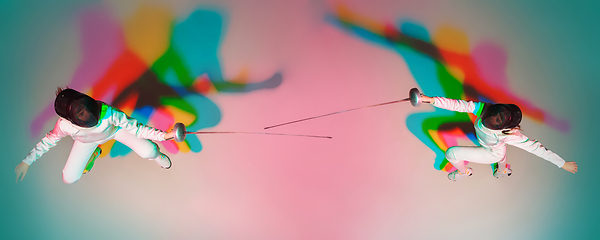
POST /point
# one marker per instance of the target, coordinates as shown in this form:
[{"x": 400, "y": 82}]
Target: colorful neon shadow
[
  {"x": 444, "y": 66},
  {"x": 155, "y": 69}
]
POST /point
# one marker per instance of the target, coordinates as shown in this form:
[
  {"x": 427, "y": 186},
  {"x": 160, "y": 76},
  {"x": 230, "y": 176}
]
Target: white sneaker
[
  {"x": 163, "y": 160},
  {"x": 505, "y": 173},
  {"x": 454, "y": 176}
]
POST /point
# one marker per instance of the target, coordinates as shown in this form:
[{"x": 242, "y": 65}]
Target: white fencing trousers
[
  {"x": 477, "y": 154},
  {"x": 81, "y": 153}
]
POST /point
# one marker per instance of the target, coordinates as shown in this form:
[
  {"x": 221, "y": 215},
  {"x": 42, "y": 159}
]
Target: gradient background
[{"x": 374, "y": 180}]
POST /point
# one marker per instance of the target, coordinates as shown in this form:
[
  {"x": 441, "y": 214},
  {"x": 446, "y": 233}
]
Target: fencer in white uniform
[
  {"x": 495, "y": 126},
  {"x": 91, "y": 123}
]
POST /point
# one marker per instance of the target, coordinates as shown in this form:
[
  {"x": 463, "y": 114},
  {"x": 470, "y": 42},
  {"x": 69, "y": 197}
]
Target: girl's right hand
[
  {"x": 426, "y": 99},
  {"x": 170, "y": 135},
  {"x": 21, "y": 170}
]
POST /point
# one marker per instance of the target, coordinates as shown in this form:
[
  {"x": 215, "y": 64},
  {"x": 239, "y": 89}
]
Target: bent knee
[
  {"x": 451, "y": 153},
  {"x": 151, "y": 152},
  {"x": 70, "y": 179}
]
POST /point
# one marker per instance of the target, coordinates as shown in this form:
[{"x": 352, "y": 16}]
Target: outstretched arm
[
  {"x": 120, "y": 119},
  {"x": 519, "y": 140},
  {"x": 456, "y": 105},
  {"x": 49, "y": 141}
]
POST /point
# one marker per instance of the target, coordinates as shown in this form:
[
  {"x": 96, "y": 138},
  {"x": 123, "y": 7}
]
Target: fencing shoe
[
  {"x": 504, "y": 173},
  {"x": 454, "y": 176},
  {"x": 163, "y": 160}
]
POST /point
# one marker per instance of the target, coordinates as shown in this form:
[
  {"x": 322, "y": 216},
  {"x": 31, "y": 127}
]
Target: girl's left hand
[
  {"x": 21, "y": 170},
  {"x": 570, "y": 166}
]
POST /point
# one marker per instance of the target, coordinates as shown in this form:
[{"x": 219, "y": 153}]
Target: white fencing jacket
[
  {"x": 494, "y": 140},
  {"x": 111, "y": 120}
]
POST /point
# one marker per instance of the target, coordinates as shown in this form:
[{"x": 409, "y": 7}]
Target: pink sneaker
[{"x": 454, "y": 176}]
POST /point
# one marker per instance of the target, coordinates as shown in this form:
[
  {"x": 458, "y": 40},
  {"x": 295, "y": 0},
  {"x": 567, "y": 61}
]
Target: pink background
[{"x": 374, "y": 180}]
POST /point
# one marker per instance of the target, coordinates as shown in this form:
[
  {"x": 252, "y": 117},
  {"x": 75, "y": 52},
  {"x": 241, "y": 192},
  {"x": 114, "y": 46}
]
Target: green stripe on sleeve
[{"x": 478, "y": 108}]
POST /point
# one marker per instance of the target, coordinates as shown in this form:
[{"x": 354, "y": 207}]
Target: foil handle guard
[
  {"x": 415, "y": 97},
  {"x": 180, "y": 132}
]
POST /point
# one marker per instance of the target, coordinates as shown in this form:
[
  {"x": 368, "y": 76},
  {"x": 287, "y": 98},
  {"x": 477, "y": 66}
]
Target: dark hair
[{"x": 60, "y": 89}]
